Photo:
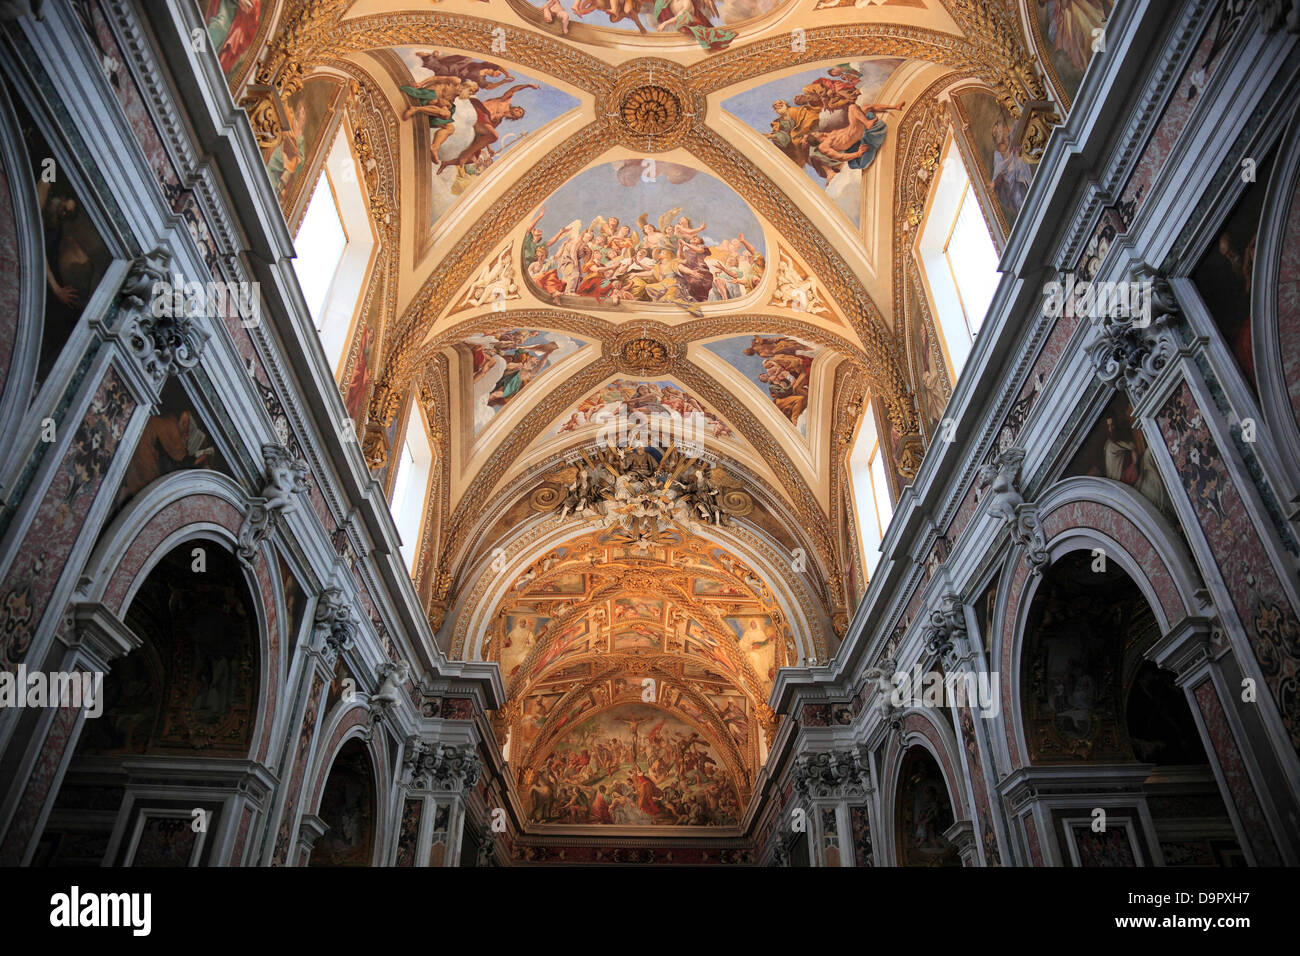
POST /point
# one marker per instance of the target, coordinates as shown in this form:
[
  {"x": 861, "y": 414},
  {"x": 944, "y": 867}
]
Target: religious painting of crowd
[
  {"x": 706, "y": 22},
  {"x": 668, "y": 407},
  {"x": 643, "y": 232},
  {"x": 635, "y": 765},
  {"x": 1086, "y": 622},
  {"x": 829, "y": 121},
  {"x": 779, "y": 365},
  {"x": 193, "y": 684}
]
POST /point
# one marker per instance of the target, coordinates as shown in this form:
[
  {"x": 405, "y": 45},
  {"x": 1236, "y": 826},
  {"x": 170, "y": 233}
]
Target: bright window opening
[
  {"x": 959, "y": 260},
  {"x": 411, "y": 485},
  {"x": 320, "y": 245},
  {"x": 334, "y": 248},
  {"x": 871, "y": 500}
]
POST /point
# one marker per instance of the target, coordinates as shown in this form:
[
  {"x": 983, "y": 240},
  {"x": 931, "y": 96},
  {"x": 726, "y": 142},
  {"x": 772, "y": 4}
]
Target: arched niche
[
  {"x": 1093, "y": 707},
  {"x": 349, "y": 808},
  {"x": 923, "y": 812},
  {"x": 155, "y": 779}
]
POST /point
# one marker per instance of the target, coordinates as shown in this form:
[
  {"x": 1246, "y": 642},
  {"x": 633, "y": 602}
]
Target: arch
[
  {"x": 22, "y": 300},
  {"x": 349, "y": 725},
  {"x": 191, "y": 505},
  {"x": 477, "y": 606},
  {"x": 191, "y": 686},
  {"x": 1083, "y": 513},
  {"x": 920, "y": 731},
  {"x": 1275, "y": 301}
]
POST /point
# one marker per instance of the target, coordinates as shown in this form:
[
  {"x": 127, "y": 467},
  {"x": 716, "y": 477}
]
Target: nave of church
[{"x": 753, "y": 433}]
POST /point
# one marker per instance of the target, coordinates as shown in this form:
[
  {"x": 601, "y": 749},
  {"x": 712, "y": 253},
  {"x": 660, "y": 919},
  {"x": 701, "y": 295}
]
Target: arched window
[
  {"x": 411, "y": 485},
  {"x": 871, "y": 501},
  {"x": 958, "y": 259},
  {"x": 334, "y": 247}
]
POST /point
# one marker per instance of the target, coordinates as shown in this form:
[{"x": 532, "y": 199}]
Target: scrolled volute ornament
[
  {"x": 945, "y": 635},
  {"x": 835, "y": 773},
  {"x": 163, "y": 336},
  {"x": 431, "y": 765},
  {"x": 1130, "y": 351}
]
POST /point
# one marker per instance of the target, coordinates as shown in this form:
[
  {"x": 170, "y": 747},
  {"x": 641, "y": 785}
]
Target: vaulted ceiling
[{"x": 700, "y": 209}]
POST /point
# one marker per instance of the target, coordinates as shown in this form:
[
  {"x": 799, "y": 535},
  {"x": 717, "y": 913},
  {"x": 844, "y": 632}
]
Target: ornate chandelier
[{"x": 642, "y": 496}]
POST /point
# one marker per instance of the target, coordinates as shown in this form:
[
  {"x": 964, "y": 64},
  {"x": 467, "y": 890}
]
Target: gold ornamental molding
[
  {"x": 531, "y": 51},
  {"x": 646, "y": 349},
  {"x": 991, "y": 37},
  {"x": 652, "y": 105},
  {"x": 608, "y": 333}
]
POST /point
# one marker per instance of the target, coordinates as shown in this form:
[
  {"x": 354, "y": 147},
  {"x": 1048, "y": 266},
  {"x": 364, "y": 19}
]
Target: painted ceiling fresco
[
  {"x": 710, "y": 23},
  {"x": 830, "y": 122},
  {"x": 684, "y": 226},
  {"x": 645, "y": 411},
  {"x": 469, "y": 111},
  {"x": 779, "y": 365},
  {"x": 642, "y": 233},
  {"x": 638, "y": 680},
  {"x": 504, "y": 362}
]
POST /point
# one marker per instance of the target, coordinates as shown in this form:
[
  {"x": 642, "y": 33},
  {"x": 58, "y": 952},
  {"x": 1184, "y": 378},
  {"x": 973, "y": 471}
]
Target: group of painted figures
[
  {"x": 832, "y": 125},
  {"x": 667, "y": 261},
  {"x": 667, "y": 778},
  {"x": 696, "y": 19}
]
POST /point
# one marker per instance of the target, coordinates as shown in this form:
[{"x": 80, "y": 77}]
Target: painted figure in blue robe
[{"x": 855, "y": 144}]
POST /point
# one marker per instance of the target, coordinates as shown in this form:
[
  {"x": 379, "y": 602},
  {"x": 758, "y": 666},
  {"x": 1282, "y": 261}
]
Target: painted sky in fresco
[
  {"x": 730, "y": 11},
  {"x": 601, "y": 191},
  {"x": 506, "y": 362},
  {"x": 540, "y": 106},
  {"x": 751, "y": 366},
  {"x": 754, "y": 107}
]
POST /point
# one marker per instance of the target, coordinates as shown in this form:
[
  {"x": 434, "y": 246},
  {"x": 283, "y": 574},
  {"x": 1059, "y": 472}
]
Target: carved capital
[
  {"x": 164, "y": 339},
  {"x": 946, "y": 633},
  {"x": 430, "y": 765},
  {"x": 1130, "y": 351},
  {"x": 834, "y": 773}
]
